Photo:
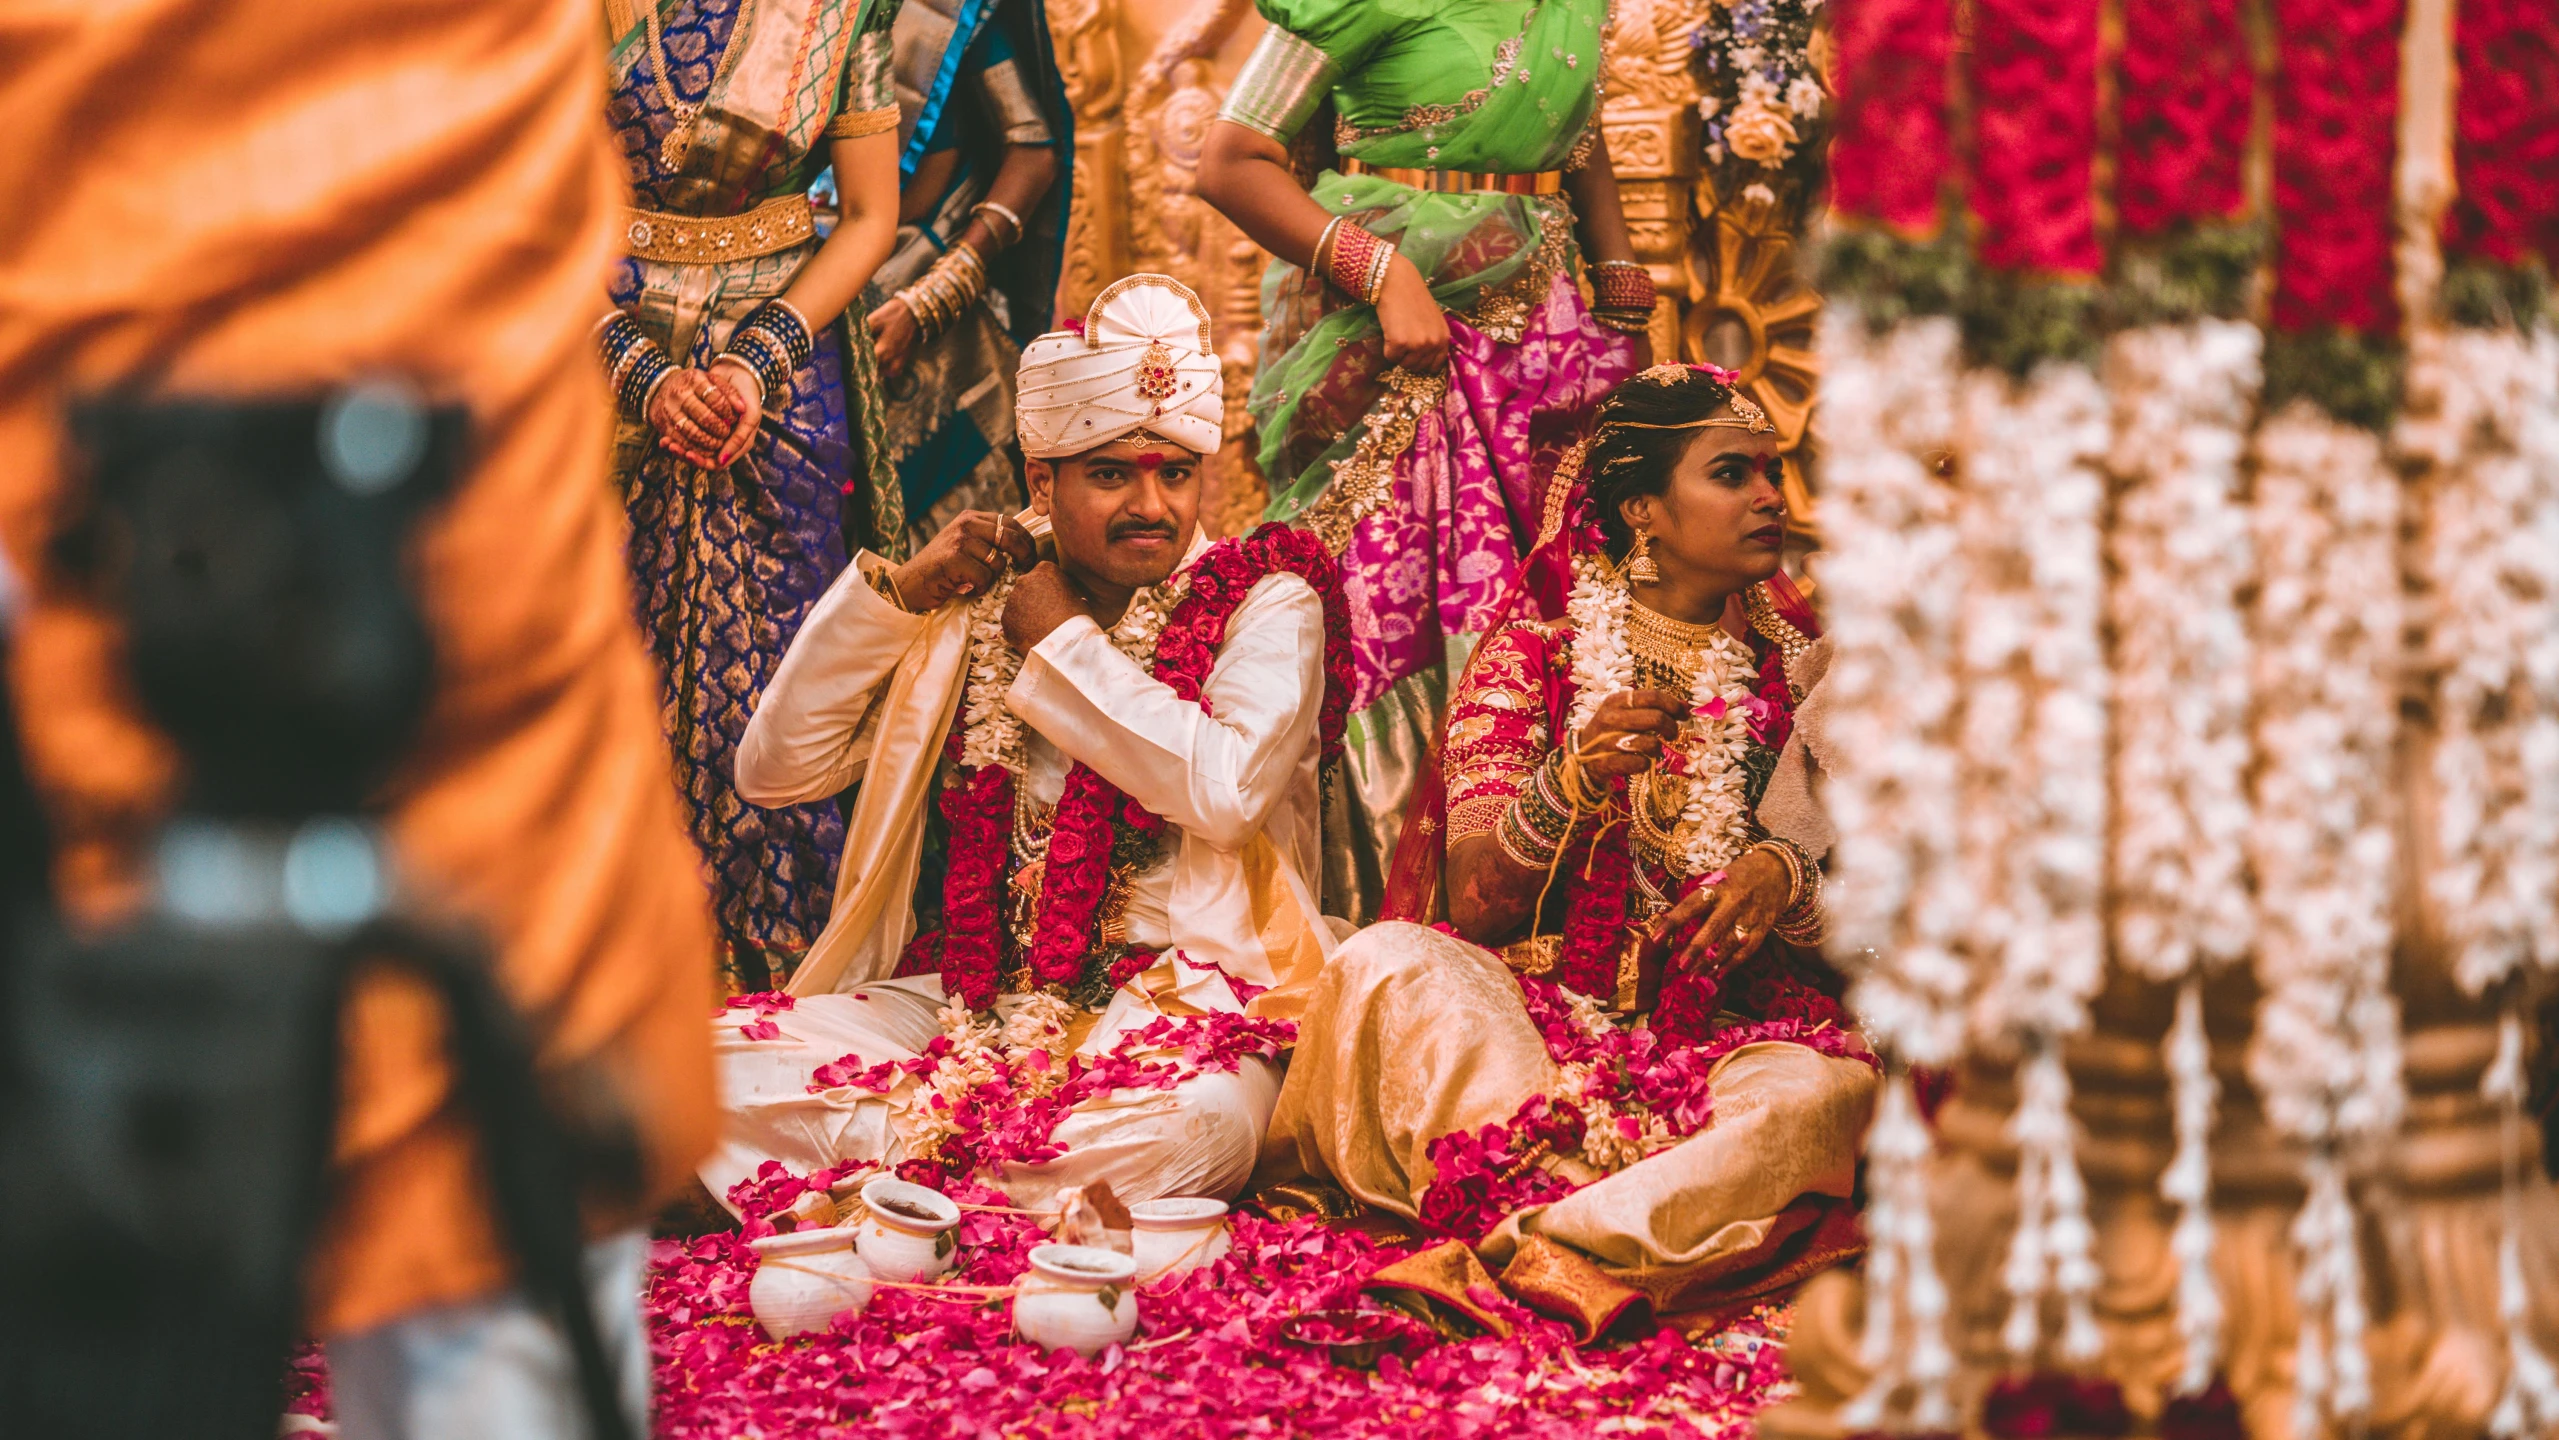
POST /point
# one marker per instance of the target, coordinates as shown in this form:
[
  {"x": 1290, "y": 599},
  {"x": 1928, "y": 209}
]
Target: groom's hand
[
  {"x": 961, "y": 562},
  {"x": 1041, "y": 601}
]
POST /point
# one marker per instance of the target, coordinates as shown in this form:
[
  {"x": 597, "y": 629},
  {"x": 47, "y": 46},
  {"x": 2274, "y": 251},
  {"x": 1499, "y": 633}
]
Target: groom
[{"x": 1122, "y": 726}]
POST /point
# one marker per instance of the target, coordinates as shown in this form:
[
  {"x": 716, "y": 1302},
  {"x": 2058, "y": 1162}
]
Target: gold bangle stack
[
  {"x": 946, "y": 291},
  {"x": 1801, "y": 922}
]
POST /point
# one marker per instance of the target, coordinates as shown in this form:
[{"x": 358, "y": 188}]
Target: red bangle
[{"x": 1622, "y": 285}]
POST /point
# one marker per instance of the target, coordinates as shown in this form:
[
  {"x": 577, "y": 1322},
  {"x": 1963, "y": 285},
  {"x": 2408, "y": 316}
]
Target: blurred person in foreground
[
  {"x": 218, "y": 200},
  {"x": 747, "y": 407},
  {"x": 1125, "y": 739}
]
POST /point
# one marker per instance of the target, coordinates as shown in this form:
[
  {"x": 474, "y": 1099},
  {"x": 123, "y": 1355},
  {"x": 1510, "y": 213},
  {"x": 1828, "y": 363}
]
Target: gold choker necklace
[{"x": 1676, "y": 643}]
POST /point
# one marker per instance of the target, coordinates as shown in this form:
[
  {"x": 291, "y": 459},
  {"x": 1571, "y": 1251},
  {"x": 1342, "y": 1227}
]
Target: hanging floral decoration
[
  {"x": 2325, "y": 1059},
  {"x": 2034, "y": 77},
  {"x": 2506, "y": 133},
  {"x": 1760, "y": 90},
  {"x": 2184, "y": 91},
  {"x": 2184, "y": 397},
  {"x": 2033, "y": 754},
  {"x": 1893, "y": 148},
  {"x": 1900, "y": 902},
  {"x": 1098, "y": 837}
]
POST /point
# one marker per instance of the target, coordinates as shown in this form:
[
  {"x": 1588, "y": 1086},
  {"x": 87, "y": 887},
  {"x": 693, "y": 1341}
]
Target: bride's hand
[
  {"x": 1738, "y": 906},
  {"x": 1416, "y": 328},
  {"x": 1626, "y": 734}
]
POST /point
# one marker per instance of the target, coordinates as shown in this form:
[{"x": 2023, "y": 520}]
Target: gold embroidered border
[
  {"x": 1361, "y": 481},
  {"x": 1501, "y": 312},
  {"x": 768, "y": 229},
  {"x": 854, "y": 124},
  {"x": 1791, "y": 643}
]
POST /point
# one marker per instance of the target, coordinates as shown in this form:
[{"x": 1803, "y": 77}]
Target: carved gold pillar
[
  {"x": 1650, "y": 120},
  {"x": 1753, "y": 313},
  {"x": 1086, "y": 34}
]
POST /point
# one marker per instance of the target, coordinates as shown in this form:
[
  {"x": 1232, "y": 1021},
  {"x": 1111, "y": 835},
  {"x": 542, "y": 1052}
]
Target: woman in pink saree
[{"x": 1428, "y": 355}]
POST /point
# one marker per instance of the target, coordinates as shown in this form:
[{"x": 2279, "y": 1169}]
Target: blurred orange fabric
[{"x": 229, "y": 198}]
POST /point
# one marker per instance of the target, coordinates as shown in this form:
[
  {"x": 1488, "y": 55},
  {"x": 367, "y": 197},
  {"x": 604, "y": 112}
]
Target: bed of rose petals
[{"x": 1207, "y": 1360}]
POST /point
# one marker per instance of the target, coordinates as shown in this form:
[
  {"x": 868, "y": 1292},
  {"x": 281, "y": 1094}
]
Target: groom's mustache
[{"x": 1126, "y": 528}]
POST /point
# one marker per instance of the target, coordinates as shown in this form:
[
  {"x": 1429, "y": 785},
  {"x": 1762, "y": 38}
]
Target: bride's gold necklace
[{"x": 1673, "y": 644}]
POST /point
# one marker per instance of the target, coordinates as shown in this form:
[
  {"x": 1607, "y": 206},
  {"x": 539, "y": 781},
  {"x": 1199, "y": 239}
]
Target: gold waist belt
[
  {"x": 769, "y": 228},
  {"x": 1447, "y": 182}
]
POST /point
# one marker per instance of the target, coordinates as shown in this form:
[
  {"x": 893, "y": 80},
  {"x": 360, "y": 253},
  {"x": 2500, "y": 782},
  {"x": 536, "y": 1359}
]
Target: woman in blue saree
[
  {"x": 985, "y": 144},
  {"x": 746, "y": 409}
]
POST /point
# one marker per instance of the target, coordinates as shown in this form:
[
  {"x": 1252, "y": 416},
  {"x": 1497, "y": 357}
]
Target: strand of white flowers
[
  {"x": 1602, "y": 664},
  {"x": 2486, "y": 428},
  {"x": 1715, "y": 813},
  {"x": 2182, "y": 554},
  {"x": 2530, "y": 1404},
  {"x": 2034, "y": 770},
  {"x": 2187, "y": 1184},
  {"x": 2325, "y": 1057},
  {"x": 1891, "y": 570},
  {"x": 990, "y": 733},
  {"x": 1904, "y": 1342},
  {"x": 1892, "y": 575},
  {"x": 2489, "y": 560}
]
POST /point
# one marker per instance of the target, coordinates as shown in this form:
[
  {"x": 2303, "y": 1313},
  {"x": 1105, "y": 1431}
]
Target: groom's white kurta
[{"x": 867, "y": 693}]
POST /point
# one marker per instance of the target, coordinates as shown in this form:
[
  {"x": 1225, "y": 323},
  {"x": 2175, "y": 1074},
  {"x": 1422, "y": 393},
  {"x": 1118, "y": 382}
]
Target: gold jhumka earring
[{"x": 1639, "y": 568}]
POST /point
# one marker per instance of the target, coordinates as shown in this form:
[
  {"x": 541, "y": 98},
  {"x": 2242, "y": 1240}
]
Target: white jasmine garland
[
  {"x": 2489, "y": 559},
  {"x": 2486, "y": 427},
  {"x": 2325, "y": 1058},
  {"x": 990, "y": 733},
  {"x": 1715, "y": 820},
  {"x": 2183, "y": 399},
  {"x": 1892, "y": 571},
  {"x": 2033, "y": 746}
]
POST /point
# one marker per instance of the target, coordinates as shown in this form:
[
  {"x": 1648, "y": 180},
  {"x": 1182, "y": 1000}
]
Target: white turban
[{"x": 1142, "y": 363}]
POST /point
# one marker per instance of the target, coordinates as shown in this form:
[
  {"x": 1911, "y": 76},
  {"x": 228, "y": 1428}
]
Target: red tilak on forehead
[{"x": 1151, "y": 460}]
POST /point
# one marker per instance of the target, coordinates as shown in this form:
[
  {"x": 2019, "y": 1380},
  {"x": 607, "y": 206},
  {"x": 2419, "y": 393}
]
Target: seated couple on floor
[{"x": 1123, "y": 728}]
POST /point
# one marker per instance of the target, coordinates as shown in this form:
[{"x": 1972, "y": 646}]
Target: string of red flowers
[
  {"x": 1012, "y": 1116},
  {"x": 2034, "y": 75},
  {"x": 2506, "y": 132},
  {"x": 1891, "y": 153},
  {"x": 2336, "y": 118},
  {"x": 1095, "y": 818},
  {"x": 2184, "y": 114}
]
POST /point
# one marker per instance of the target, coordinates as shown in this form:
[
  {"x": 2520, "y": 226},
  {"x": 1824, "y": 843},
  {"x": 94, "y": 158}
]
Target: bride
[{"x": 1621, "y": 1051}]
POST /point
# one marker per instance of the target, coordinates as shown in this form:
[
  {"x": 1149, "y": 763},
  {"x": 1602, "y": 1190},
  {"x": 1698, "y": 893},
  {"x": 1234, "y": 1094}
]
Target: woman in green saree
[{"x": 1428, "y": 355}]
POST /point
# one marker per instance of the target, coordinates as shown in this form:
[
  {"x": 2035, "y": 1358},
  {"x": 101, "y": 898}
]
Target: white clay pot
[
  {"x": 1077, "y": 1297},
  {"x": 1173, "y": 1237},
  {"x": 805, "y": 1279},
  {"x": 907, "y": 1232}
]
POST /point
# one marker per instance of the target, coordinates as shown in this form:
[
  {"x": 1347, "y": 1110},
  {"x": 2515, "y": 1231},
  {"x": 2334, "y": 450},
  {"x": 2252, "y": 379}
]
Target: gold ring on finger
[{"x": 1631, "y": 744}]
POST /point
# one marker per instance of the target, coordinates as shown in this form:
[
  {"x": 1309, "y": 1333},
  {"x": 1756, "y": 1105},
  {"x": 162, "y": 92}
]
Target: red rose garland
[
  {"x": 2035, "y": 114},
  {"x": 1891, "y": 152},
  {"x": 2186, "y": 90},
  {"x": 1094, "y": 818},
  {"x": 2506, "y": 132},
  {"x": 2336, "y": 118}
]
